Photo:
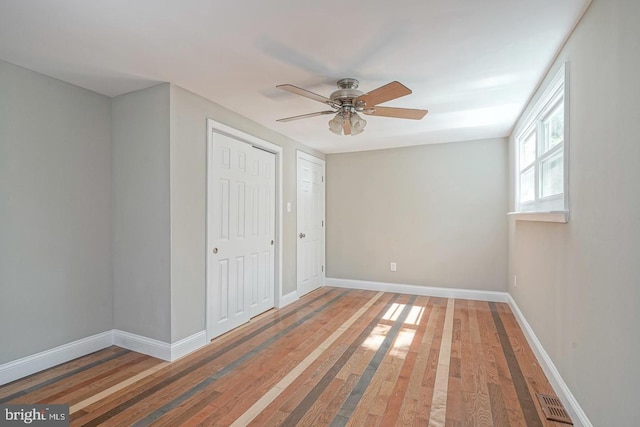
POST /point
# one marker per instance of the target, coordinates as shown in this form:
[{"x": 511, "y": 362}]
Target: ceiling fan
[{"x": 348, "y": 101}]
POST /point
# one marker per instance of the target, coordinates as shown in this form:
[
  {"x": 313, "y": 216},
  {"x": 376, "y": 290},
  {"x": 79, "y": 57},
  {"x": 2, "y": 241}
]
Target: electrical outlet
[
  {"x": 394, "y": 266},
  {"x": 515, "y": 281}
]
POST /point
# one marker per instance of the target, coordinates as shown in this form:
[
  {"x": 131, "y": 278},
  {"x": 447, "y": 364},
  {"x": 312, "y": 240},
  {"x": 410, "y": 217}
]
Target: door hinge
[
  {"x": 322, "y": 223},
  {"x": 323, "y": 179},
  {"x": 323, "y": 268}
]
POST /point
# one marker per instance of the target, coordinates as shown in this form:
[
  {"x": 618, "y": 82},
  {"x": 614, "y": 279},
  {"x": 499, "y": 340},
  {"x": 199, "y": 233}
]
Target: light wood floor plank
[{"x": 437, "y": 416}]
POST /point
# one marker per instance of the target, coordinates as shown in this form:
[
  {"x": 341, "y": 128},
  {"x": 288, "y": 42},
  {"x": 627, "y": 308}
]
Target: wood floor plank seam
[
  {"x": 228, "y": 368},
  {"x": 490, "y": 340},
  {"x": 438, "y": 413},
  {"x": 236, "y": 400},
  {"x": 481, "y": 403},
  {"x": 414, "y": 387},
  {"x": 527, "y": 361},
  {"x": 519, "y": 382},
  {"x": 96, "y": 377},
  {"x": 313, "y": 372},
  {"x": 150, "y": 391},
  {"x": 63, "y": 376},
  {"x": 349, "y": 405},
  {"x": 274, "y": 392},
  {"x": 395, "y": 405},
  {"x": 47, "y": 374},
  {"x": 119, "y": 352},
  {"x": 293, "y": 418},
  {"x": 224, "y": 409},
  {"x": 111, "y": 390}
]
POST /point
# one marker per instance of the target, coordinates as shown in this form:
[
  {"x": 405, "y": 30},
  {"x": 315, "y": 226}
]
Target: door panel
[
  {"x": 241, "y": 233},
  {"x": 310, "y": 230}
]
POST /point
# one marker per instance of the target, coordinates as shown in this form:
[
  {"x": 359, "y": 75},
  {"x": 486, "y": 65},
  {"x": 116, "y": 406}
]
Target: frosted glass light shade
[
  {"x": 357, "y": 124},
  {"x": 335, "y": 124}
]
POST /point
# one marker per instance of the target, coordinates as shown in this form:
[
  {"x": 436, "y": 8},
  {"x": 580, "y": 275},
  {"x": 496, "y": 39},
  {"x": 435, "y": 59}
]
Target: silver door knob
[
  {"x": 215, "y": 250},
  {"x": 302, "y": 235}
]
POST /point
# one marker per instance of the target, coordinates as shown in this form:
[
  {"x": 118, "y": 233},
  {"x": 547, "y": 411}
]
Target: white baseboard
[
  {"x": 287, "y": 299},
  {"x": 431, "y": 291},
  {"x": 570, "y": 403},
  {"x": 188, "y": 345},
  {"x": 159, "y": 349},
  {"x": 28, "y": 365},
  {"x": 140, "y": 344}
]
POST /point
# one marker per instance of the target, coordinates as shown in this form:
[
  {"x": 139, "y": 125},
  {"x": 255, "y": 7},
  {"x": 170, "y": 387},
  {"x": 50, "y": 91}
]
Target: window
[{"x": 541, "y": 152}]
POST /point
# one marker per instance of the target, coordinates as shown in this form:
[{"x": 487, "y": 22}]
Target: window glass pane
[
  {"x": 552, "y": 175},
  {"x": 554, "y": 128},
  {"x": 528, "y": 150},
  {"x": 527, "y": 186}
]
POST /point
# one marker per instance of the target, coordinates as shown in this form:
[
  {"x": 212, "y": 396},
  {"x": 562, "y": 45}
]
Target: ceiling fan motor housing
[{"x": 346, "y": 93}]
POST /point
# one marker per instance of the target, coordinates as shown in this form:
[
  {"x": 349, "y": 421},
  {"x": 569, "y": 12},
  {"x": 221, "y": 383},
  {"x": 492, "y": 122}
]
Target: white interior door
[
  {"x": 310, "y": 230},
  {"x": 240, "y": 233}
]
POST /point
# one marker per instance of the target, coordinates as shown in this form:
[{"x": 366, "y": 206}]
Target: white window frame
[{"x": 556, "y": 91}]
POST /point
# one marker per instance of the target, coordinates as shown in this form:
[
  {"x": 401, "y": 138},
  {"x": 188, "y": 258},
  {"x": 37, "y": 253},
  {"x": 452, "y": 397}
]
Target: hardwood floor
[{"x": 335, "y": 357}]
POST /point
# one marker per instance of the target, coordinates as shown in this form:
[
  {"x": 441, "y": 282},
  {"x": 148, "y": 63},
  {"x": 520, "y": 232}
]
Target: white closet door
[{"x": 241, "y": 233}]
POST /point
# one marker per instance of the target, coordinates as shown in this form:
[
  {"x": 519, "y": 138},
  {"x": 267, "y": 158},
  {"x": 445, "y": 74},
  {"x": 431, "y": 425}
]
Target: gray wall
[
  {"x": 141, "y": 226},
  {"x": 55, "y": 213},
  {"x": 438, "y": 211},
  {"x": 102, "y": 214},
  {"x": 189, "y": 113},
  {"x": 579, "y": 283}
]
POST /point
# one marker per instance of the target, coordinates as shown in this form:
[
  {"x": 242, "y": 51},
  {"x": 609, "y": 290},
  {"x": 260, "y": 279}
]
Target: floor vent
[{"x": 553, "y": 409}]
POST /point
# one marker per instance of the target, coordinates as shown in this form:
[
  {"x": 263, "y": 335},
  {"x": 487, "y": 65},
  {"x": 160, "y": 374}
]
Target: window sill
[{"x": 549, "y": 216}]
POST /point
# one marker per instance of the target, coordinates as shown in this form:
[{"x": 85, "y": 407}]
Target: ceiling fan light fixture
[
  {"x": 357, "y": 124},
  {"x": 335, "y": 124}
]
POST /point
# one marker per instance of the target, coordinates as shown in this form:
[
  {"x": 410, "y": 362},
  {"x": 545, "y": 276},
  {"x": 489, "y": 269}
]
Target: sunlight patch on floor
[
  {"x": 403, "y": 343},
  {"x": 394, "y": 312},
  {"x": 413, "y": 318},
  {"x": 376, "y": 337},
  {"x": 415, "y": 315}
]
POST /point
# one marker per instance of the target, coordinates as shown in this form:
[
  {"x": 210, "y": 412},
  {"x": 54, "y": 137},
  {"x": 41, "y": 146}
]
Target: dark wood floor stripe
[
  {"x": 229, "y": 367},
  {"x": 190, "y": 368},
  {"x": 62, "y": 376},
  {"x": 301, "y": 409},
  {"x": 342, "y": 417},
  {"x": 93, "y": 379},
  {"x": 522, "y": 391}
]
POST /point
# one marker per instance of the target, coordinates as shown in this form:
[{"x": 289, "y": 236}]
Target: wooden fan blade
[
  {"x": 384, "y": 93},
  {"x": 304, "y": 116},
  {"x": 400, "y": 113},
  {"x": 303, "y": 92},
  {"x": 346, "y": 127}
]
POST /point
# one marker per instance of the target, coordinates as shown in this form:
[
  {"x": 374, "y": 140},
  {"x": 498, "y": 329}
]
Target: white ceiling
[{"x": 473, "y": 64}]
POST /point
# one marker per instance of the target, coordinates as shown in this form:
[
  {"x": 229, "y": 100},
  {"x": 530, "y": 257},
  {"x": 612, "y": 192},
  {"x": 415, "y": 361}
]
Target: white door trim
[
  {"x": 221, "y": 128},
  {"x": 313, "y": 159}
]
